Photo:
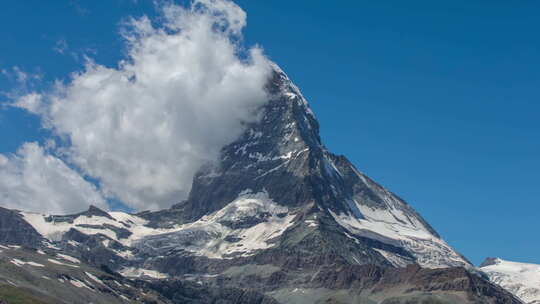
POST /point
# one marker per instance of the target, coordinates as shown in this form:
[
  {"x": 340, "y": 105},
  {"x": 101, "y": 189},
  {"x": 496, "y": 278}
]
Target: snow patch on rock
[
  {"x": 79, "y": 284},
  {"x": 132, "y": 272},
  {"x": 68, "y": 258},
  {"x": 60, "y": 263},
  {"x": 22, "y": 263},
  {"x": 94, "y": 278}
]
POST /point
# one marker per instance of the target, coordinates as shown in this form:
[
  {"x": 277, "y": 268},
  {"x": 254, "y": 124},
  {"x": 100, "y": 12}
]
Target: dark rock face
[
  {"x": 91, "y": 250},
  {"x": 14, "y": 230}
]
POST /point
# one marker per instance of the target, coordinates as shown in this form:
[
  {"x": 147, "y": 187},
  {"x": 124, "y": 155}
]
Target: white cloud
[
  {"x": 34, "y": 181},
  {"x": 30, "y": 102},
  {"x": 184, "y": 91}
]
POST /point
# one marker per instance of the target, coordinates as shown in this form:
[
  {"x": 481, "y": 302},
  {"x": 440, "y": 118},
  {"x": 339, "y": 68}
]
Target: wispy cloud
[
  {"x": 21, "y": 77},
  {"x": 60, "y": 46}
]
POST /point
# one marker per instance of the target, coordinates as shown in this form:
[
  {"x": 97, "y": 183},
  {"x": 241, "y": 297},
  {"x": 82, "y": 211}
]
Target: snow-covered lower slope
[
  {"x": 247, "y": 224},
  {"x": 521, "y": 279},
  {"x": 250, "y": 223}
]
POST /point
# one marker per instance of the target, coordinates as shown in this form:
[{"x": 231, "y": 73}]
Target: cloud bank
[
  {"x": 33, "y": 180},
  {"x": 142, "y": 129}
]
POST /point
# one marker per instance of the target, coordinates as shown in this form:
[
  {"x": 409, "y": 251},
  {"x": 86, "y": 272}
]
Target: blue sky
[{"x": 437, "y": 102}]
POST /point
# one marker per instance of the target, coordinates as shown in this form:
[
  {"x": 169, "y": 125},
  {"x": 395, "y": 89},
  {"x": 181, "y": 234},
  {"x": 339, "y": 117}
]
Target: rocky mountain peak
[
  {"x": 282, "y": 158},
  {"x": 280, "y": 142},
  {"x": 278, "y": 214}
]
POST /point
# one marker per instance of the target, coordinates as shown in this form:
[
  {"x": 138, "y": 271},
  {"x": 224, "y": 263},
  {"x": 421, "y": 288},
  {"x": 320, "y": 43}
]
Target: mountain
[
  {"x": 277, "y": 218},
  {"x": 280, "y": 166},
  {"x": 521, "y": 279}
]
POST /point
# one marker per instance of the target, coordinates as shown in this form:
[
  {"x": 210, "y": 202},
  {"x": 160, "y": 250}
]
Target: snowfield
[
  {"x": 521, "y": 279},
  {"x": 214, "y": 235},
  {"x": 250, "y": 223}
]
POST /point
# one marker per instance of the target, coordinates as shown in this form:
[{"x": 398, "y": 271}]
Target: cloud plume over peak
[{"x": 185, "y": 89}]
